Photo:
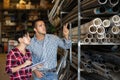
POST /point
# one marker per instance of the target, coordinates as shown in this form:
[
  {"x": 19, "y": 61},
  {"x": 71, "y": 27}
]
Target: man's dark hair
[
  {"x": 34, "y": 22},
  {"x": 20, "y": 34}
]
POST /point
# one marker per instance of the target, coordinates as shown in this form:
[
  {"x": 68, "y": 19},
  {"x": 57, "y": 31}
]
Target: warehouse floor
[{"x": 3, "y": 75}]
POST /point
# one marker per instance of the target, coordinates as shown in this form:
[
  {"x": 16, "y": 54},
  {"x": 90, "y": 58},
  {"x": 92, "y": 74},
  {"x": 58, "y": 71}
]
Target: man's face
[{"x": 40, "y": 27}]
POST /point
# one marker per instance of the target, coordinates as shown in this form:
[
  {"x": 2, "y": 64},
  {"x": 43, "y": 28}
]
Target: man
[{"x": 44, "y": 49}]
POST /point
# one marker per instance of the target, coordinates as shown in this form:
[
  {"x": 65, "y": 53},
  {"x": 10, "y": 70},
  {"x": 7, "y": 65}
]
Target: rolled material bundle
[
  {"x": 87, "y": 40},
  {"x": 106, "y": 23},
  {"x": 115, "y": 30},
  {"x": 113, "y": 10},
  {"x": 94, "y": 11},
  {"x": 73, "y": 14},
  {"x": 114, "y": 19},
  {"x": 55, "y": 21},
  {"x": 53, "y": 18},
  {"x": 54, "y": 9},
  {"x": 100, "y": 30},
  {"x": 100, "y": 36},
  {"x": 92, "y": 3},
  {"x": 93, "y": 40},
  {"x": 108, "y": 36},
  {"x": 113, "y": 3},
  {"x": 90, "y": 27}
]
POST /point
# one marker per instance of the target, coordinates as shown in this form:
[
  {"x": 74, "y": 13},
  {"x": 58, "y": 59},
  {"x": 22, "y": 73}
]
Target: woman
[{"x": 19, "y": 58}]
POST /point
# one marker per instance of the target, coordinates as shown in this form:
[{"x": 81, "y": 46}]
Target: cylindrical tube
[
  {"x": 92, "y": 29},
  {"x": 100, "y": 30},
  {"x": 100, "y": 36},
  {"x": 115, "y": 19},
  {"x": 113, "y": 3},
  {"x": 106, "y": 23},
  {"x": 111, "y": 40},
  {"x": 87, "y": 40},
  {"x": 104, "y": 40},
  {"x": 89, "y": 36},
  {"x": 108, "y": 36},
  {"x": 92, "y": 3},
  {"x": 115, "y": 30},
  {"x": 93, "y": 40},
  {"x": 94, "y": 11},
  {"x": 117, "y": 24}
]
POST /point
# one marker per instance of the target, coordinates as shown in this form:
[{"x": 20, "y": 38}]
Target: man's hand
[
  {"x": 38, "y": 74},
  {"x": 37, "y": 67},
  {"x": 66, "y": 31}
]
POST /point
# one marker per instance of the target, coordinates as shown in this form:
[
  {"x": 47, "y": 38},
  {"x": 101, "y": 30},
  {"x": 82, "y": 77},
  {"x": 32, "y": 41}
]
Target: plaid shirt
[{"x": 14, "y": 59}]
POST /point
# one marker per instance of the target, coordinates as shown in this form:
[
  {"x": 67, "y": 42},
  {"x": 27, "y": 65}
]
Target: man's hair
[
  {"x": 20, "y": 34},
  {"x": 34, "y": 22}
]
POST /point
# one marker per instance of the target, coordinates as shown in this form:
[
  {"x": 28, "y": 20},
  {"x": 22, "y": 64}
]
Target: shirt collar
[{"x": 35, "y": 39}]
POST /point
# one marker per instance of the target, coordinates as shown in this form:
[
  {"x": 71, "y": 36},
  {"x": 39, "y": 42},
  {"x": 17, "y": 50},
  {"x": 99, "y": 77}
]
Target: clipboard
[{"x": 35, "y": 65}]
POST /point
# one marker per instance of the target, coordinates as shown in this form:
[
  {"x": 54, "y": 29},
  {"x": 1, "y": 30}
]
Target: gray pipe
[
  {"x": 95, "y": 11},
  {"x": 113, "y": 3},
  {"x": 93, "y": 3}
]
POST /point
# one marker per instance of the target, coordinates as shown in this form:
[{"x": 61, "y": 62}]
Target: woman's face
[{"x": 26, "y": 39}]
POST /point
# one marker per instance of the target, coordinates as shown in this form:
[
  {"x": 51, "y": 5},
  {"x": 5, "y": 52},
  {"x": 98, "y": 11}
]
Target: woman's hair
[{"x": 20, "y": 34}]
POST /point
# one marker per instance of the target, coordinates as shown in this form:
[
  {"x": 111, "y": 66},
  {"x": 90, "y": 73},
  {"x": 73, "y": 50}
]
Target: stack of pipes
[
  {"x": 99, "y": 30},
  {"x": 99, "y": 7}
]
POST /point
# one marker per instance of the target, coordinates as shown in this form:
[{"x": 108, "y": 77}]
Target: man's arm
[{"x": 66, "y": 42}]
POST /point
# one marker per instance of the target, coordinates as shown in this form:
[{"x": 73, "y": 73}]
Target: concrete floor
[{"x": 3, "y": 75}]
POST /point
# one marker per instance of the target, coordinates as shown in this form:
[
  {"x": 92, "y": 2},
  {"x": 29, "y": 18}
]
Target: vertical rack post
[
  {"x": 70, "y": 28},
  {"x": 79, "y": 45}
]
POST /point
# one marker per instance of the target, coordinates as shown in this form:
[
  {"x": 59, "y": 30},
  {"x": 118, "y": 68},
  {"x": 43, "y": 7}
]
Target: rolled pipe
[
  {"x": 116, "y": 69},
  {"x": 100, "y": 30},
  {"x": 100, "y": 69},
  {"x": 112, "y": 67},
  {"x": 97, "y": 22},
  {"x": 85, "y": 29},
  {"x": 113, "y": 3},
  {"x": 106, "y": 23},
  {"x": 89, "y": 5},
  {"x": 100, "y": 36},
  {"x": 86, "y": 40},
  {"x": 117, "y": 24},
  {"x": 107, "y": 36},
  {"x": 89, "y": 36},
  {"x": 112, "y": 10},
  {"x": 115, "y": 9},
  {"x": 53, "y": 9},
  {"x": 93, "y": 40},
  {"x": 71, "y": 14},
  {"x": 104, "y": 40},
  {"x": 115, "y": 19},
  {"x": 85, "y": 1},
  {"x": 111, "y": 40},
  {"x": 115, "y": 30},
  {"x": 94, "y": 11},
  {"x": 92, "y": 29}
]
